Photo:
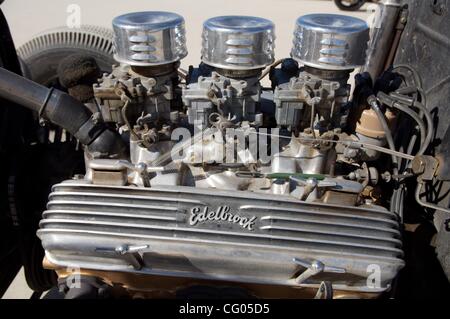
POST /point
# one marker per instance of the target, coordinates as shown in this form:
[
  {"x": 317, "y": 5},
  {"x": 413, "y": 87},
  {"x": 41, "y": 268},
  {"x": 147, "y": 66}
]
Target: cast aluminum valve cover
[
  {"x": 330, "y": 41},
  {"x": 238, "y": 42},
  {"x": 218, "y": 234},
  {"x": 149, "y": 38}
]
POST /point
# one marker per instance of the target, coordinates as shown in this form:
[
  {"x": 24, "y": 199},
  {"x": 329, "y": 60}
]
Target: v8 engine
[{"x": 275, "y": 189}]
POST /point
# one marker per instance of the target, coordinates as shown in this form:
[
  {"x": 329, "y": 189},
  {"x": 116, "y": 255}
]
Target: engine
[{"x": 228, "y": 182}]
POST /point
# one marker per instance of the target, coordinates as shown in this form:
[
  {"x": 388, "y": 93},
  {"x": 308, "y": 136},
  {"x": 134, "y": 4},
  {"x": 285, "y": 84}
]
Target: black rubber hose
[
  {"x": 349, "y": 7},
  {"x": 63, "y": 110}
]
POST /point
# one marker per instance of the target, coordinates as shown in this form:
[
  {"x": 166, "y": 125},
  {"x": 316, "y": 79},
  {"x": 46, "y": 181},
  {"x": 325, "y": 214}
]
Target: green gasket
[{"x": 299, "y": 175}]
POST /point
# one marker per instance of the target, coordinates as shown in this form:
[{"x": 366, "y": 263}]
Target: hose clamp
[{"x": 42, "y": 120}]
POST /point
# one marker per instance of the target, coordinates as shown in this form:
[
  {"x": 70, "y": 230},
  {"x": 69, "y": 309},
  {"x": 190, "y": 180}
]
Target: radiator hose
[{"x": 64, "y": 111}]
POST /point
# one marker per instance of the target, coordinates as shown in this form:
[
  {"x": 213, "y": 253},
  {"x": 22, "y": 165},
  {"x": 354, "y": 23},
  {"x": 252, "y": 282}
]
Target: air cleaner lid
[
  {"x": 149, "y": 38},
  {"x": 238, "y": 42},
  {"x": 330, "y": 41}
]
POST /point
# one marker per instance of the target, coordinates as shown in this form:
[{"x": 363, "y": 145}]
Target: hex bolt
[
  {"x": 418, "y": 165},
  {"x": 211, "y": 94}
]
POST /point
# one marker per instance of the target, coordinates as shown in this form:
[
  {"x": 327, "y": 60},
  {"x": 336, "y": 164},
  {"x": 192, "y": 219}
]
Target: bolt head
[
  {"x": 311, "y": 181},
  {"x": 317, "y": 265},
  {"x": 122, "y": 249},
  {"x": 210, "y": 94},
  {"x": 418, "y": 165},
  {"x": 141, "y": 167}
]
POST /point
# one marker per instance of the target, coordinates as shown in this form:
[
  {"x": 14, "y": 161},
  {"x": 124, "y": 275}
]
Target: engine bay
[
  {"x": 226, "y": 179},
  {"x": 208, "y": 176}
]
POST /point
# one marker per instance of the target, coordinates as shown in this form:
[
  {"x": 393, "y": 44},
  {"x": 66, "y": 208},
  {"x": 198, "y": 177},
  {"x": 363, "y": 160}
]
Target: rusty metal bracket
[{"x": 425, "y": 166}]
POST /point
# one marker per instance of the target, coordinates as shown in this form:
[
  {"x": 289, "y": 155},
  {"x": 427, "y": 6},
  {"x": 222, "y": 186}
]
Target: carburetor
[
  {"x": 311, "y": 102},
  {"x": 141, "y": 95},
  {"x": 225, "y": 88},
  {"x": 315, "y": 97},
  {"x": 141, "y": 90}
]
